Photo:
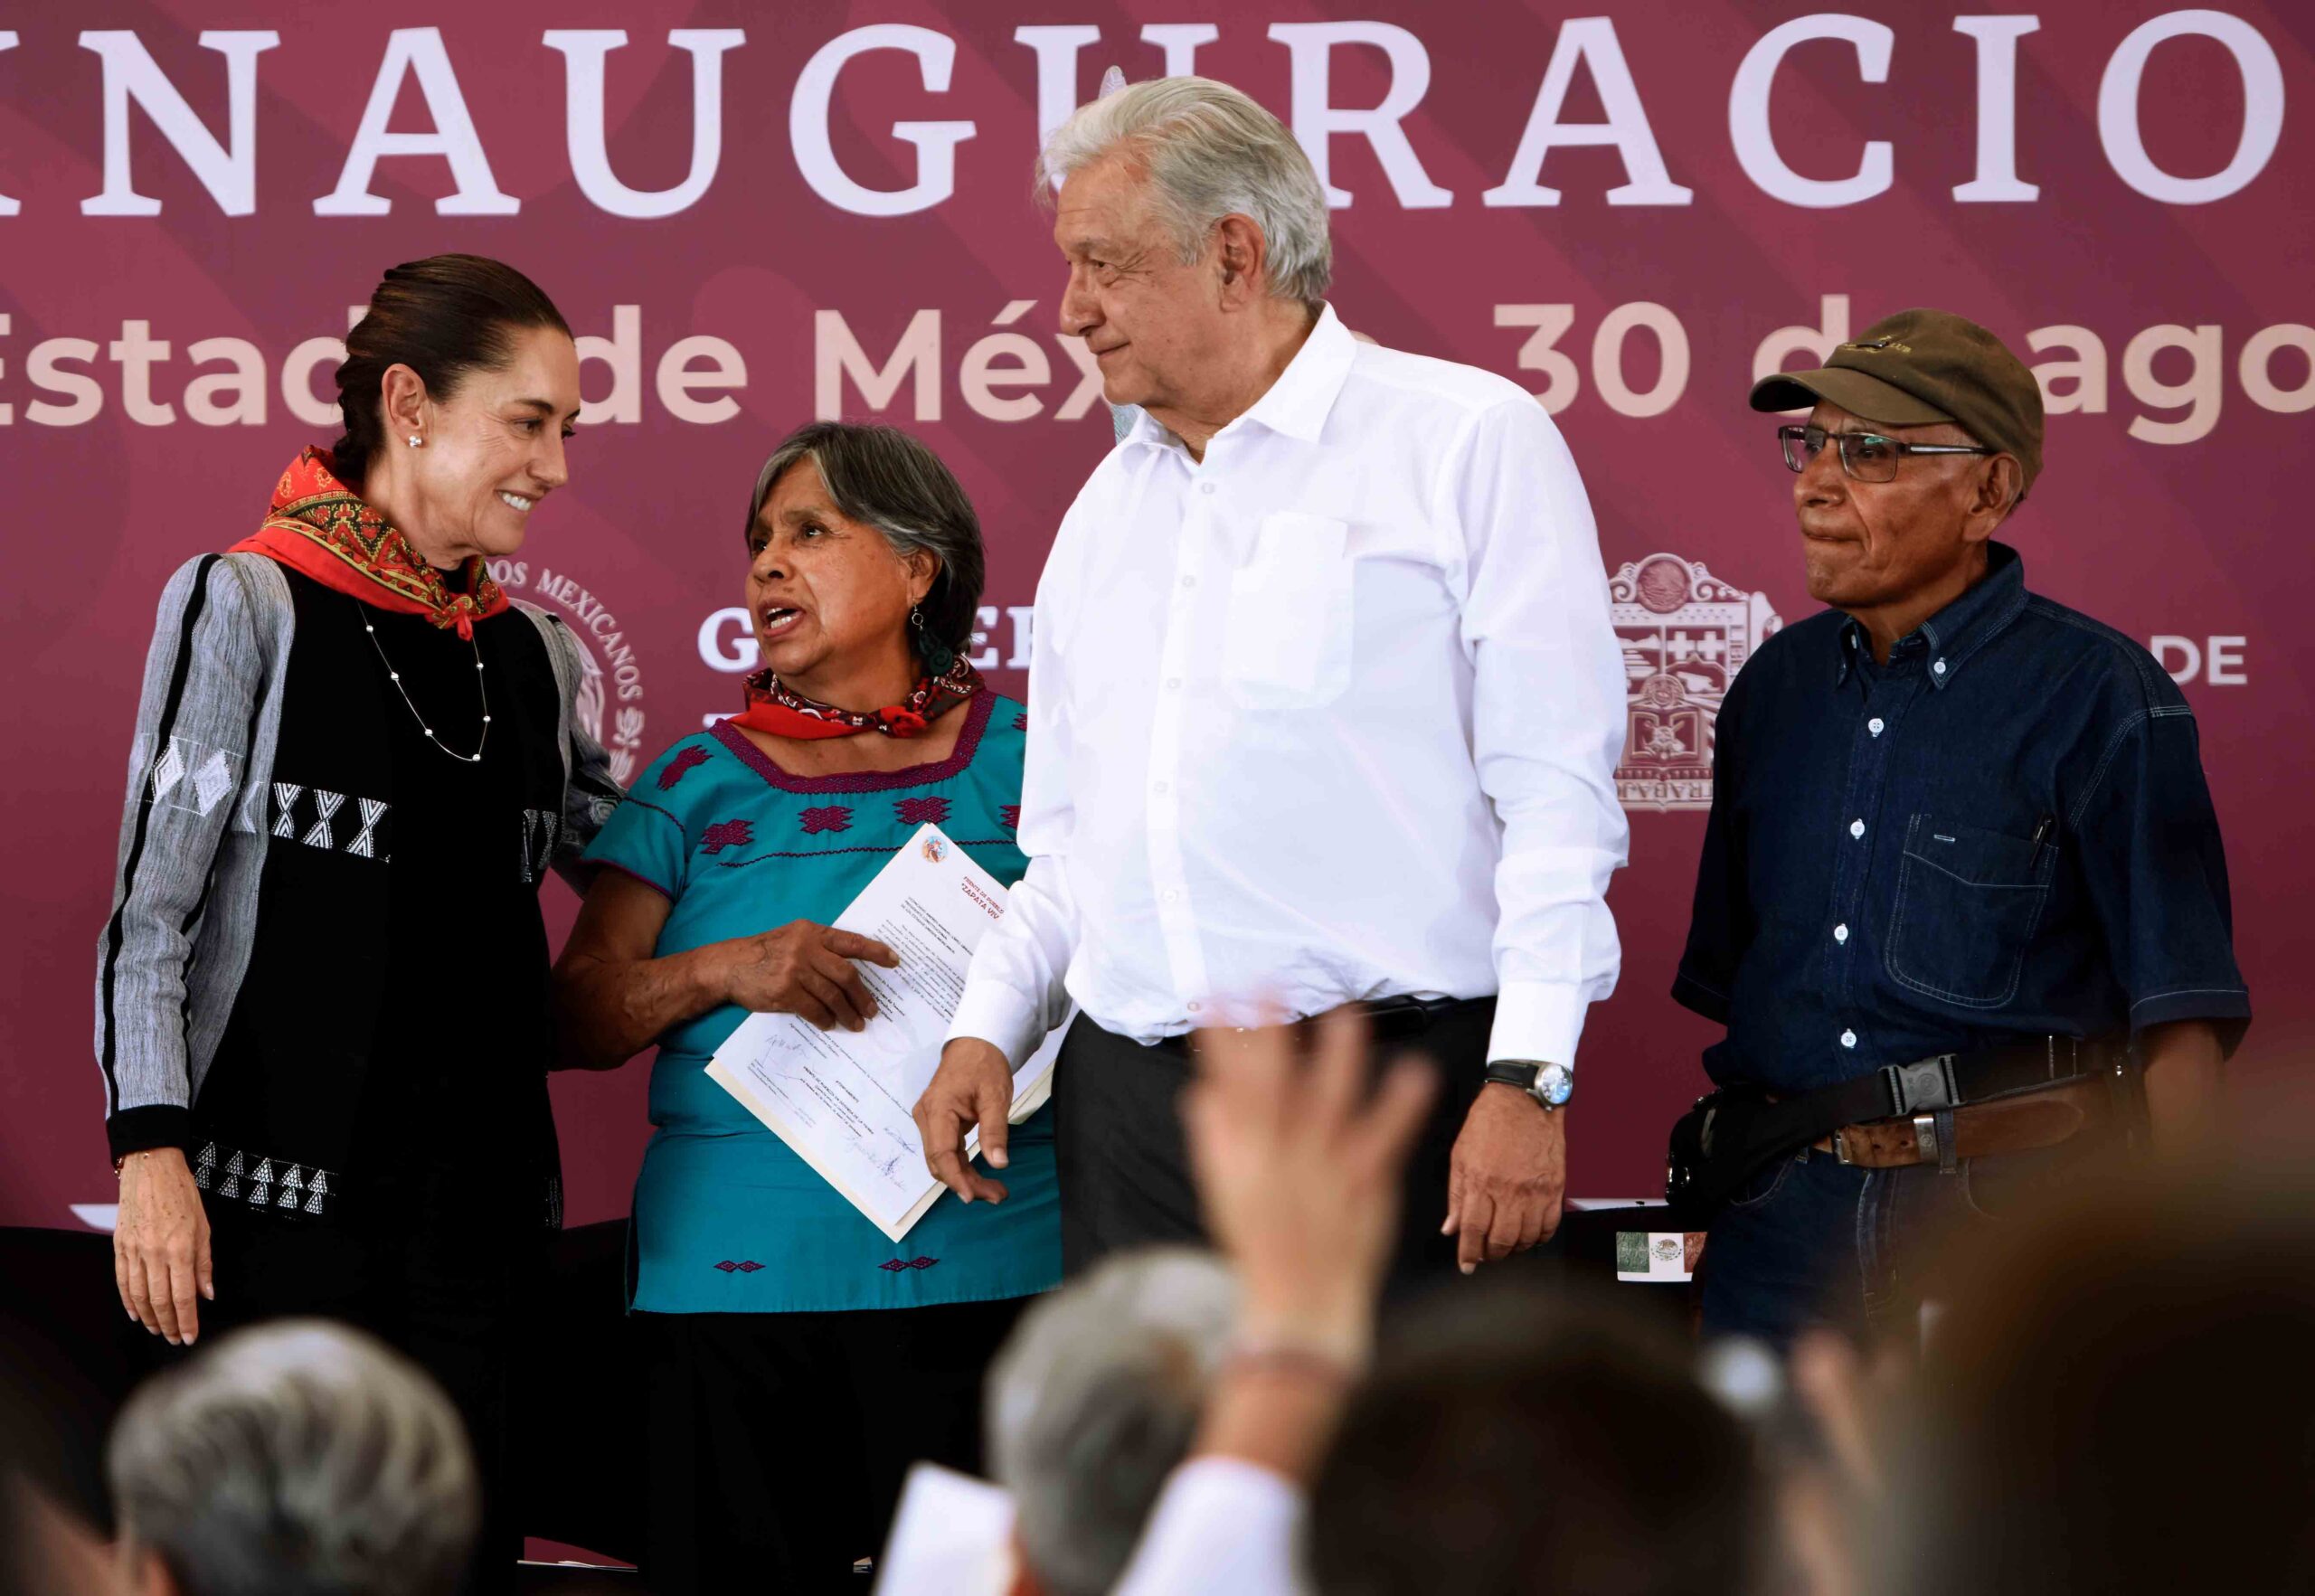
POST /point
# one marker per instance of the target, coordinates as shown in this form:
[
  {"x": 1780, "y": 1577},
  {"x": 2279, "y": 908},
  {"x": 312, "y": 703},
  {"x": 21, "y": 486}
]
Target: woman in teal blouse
[{"x": 800, "y": 1360}]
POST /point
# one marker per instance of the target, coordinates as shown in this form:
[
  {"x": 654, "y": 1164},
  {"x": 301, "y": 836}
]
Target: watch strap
[{"x": 1515, "y": 1073}]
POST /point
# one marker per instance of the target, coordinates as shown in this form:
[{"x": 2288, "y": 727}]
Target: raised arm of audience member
[{"x": 1297, "y": 1166}]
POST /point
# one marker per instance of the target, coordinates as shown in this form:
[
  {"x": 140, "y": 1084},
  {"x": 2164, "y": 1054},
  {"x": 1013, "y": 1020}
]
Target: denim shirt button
[
  {"x": 1857, "y": 828},
  {"x": 1849, "y": 1039},
  {"x": 1939, "y": 667},
  {"x": 1840, "y": 933},
  {"x": 1874, "y": 725}
]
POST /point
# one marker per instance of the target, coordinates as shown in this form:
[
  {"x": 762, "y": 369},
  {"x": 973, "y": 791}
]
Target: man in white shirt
[{"x": 1324, "y": 709}]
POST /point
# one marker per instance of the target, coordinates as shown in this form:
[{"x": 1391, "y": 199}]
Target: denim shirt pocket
[{"x": 1968, "y": 901}]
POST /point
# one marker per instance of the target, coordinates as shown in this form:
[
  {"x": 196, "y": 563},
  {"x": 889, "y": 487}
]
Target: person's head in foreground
[
  {"x": 1923, "y": 433},
  {"x": 296, "y": 1458},
  {"x": 1195, "y": 234},
  {"x": 1094, "y": 1401},
  {"x": 1527, "y": 1441},
  {"x": 2124, "y": 1397}
]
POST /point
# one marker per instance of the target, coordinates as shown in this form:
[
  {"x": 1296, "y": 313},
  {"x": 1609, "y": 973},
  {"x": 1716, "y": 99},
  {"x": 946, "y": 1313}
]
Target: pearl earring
[{"x": 415, "y": 440}]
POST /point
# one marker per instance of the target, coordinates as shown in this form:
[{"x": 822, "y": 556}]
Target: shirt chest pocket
[
  {"x": 1968, "y": 904},
  {"x": 1286, "y": 634}
]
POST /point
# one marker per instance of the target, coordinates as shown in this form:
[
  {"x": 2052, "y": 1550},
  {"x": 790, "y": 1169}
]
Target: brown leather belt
[{"x": 2006, "y": 1125}]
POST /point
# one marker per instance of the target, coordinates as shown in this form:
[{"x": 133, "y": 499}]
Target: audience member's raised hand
[{"x": 1298, "y": 1167}]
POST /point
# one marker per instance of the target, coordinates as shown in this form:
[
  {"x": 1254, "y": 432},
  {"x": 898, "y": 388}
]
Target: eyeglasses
[{"x": 1865, "y": 456}]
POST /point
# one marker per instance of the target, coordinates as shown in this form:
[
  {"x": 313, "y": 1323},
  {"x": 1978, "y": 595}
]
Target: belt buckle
[{"x": 1925, "y": 1083}]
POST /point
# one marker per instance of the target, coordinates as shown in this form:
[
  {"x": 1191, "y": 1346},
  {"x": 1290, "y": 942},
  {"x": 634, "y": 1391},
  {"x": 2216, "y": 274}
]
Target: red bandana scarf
[
  {"x": 320, "y": 528},
  {"x": 775, "y": 708}
]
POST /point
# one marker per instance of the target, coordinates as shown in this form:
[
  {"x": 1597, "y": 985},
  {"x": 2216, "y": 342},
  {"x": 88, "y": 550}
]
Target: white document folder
[{"x": 843, "y": 1099}]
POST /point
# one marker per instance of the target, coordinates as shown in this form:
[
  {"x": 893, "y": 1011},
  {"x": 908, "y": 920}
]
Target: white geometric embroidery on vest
[
  {"x": 169, "y": 770},
  {"x": 285, "y": 799},
  {"x": 326, "y": 805},
  {"x": 299, "y": 1188},
  {"x": 363, "y": 843}
]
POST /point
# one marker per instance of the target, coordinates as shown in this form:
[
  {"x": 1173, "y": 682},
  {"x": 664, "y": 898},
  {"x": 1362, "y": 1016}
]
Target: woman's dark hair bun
[{"x": 443, "y": 317}]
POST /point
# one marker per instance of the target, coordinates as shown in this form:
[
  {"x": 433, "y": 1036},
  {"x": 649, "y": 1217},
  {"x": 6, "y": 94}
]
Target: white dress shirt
[{"x": 1332, "y": 714}]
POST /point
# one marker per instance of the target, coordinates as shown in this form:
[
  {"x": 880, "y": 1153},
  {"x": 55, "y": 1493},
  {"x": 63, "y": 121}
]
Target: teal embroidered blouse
[{"x": 727, "y": 1218}]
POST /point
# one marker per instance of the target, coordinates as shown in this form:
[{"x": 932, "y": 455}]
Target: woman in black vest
[{"x": 322, "y": 992}]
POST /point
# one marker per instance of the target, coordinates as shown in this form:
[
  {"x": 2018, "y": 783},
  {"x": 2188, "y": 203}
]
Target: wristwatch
[{"x": 1549, "y": 1085}]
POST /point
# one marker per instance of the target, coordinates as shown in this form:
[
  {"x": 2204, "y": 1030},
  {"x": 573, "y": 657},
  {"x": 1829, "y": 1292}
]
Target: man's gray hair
[
  {"x": 1208, "y": 152},
  {"x": 298, "y": 1459},
  {"x": 1094, "y": 1401}
]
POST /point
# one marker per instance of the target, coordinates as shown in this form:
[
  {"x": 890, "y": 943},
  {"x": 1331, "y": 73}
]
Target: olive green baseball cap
[{"x": 1922, "y": 366}]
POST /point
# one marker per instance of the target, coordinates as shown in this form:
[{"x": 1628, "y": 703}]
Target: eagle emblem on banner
[{"x": 1685, "y": 634}]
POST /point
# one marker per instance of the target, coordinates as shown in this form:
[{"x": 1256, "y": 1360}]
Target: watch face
[{"x": 1555, "y": 1084}]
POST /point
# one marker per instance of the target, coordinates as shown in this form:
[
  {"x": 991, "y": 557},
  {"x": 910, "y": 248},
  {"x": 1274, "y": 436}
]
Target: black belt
[
  {"x": 1735, "y": 1130},
  {"x": 1392, "y": 1019},
  {"x": 1952, "y": 1079}
]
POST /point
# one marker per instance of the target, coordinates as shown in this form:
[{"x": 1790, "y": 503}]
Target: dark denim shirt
[{"x": 2002, "y": 833}]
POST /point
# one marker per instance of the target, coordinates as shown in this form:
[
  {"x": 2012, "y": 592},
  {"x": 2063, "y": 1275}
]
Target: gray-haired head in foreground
[
  {"x": 1208, "y": 152},
  {"x": 881, "y": 478},
  {"x": 1093, "y": 1402},
  {"x": 298, "y": 1459}
]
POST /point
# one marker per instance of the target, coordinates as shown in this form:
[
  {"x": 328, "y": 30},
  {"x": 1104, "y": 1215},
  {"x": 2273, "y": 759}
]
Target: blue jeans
[{"x": 1810, "y": 1240}]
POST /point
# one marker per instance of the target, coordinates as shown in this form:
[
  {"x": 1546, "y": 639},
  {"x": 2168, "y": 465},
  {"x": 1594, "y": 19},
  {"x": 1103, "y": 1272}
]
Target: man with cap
[{"x": 1962, "y": 905}]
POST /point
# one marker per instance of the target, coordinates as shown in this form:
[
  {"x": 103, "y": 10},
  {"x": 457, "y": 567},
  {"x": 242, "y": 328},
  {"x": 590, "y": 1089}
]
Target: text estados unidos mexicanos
[
  {"x": 1584, "y": 49},
  {"x": 1018, "y": 369}
]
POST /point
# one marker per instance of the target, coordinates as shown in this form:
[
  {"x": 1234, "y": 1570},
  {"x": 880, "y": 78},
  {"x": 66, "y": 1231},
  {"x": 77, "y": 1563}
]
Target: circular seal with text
[{"x": 610, "y": 697}]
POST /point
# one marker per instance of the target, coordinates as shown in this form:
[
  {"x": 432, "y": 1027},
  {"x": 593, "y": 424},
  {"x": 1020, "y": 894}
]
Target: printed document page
[{"x": 842, "y": 1098}]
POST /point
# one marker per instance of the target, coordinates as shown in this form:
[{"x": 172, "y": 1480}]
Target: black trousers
[
  {"x": 779, "y": 1442},
  {"x": 426, "y": 1272},
  {"x": 1124, "y": 1166}
]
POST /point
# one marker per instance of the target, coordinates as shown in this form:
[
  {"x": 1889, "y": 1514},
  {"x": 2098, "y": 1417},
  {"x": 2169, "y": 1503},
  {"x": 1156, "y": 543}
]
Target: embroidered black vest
[{"x": 393, "y": 1024}]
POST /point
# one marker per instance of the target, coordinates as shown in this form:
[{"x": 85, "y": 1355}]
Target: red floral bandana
[
  {"x": 320, "y": 528},
  {"x": 776, "y": 708}
]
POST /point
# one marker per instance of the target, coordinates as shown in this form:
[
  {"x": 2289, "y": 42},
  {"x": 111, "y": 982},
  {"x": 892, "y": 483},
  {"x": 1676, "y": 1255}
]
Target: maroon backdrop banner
[{"x": 755, "y": 215}]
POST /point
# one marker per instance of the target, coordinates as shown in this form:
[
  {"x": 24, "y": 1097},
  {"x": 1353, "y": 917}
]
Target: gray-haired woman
[{"x": 801, "y": 1360}]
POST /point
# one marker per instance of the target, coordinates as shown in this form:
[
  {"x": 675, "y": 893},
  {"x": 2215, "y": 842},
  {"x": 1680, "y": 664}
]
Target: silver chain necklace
[{"x": 394, "y": 677}]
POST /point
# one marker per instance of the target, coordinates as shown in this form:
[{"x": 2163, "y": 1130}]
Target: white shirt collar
[{"x": 1297, "y": 405}]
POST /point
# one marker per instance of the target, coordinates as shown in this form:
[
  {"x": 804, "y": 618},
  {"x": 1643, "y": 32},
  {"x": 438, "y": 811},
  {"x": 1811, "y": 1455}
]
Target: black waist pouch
[{"x": 1717, "y": 1145}]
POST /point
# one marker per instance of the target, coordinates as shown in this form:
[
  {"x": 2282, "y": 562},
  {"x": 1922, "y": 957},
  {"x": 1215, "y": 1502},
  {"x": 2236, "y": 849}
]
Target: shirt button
[
  {"x": 1159, "y": 787},
  {"x": 1873, "y": 725},
  {"x": 1840, "y": 933},
  {"x": 1194, "y": 1008},
  {"x": 1189, "y": 582},
  {"x": 1856, "y": 828},
  {"x": 1171, "y": 894},
  {"x": 1849, "y": 1039},
  {"x": 1173, "y": 683},
  {"x": 1208, "y": 487},
  {"x": 1939, "y": 667}
]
